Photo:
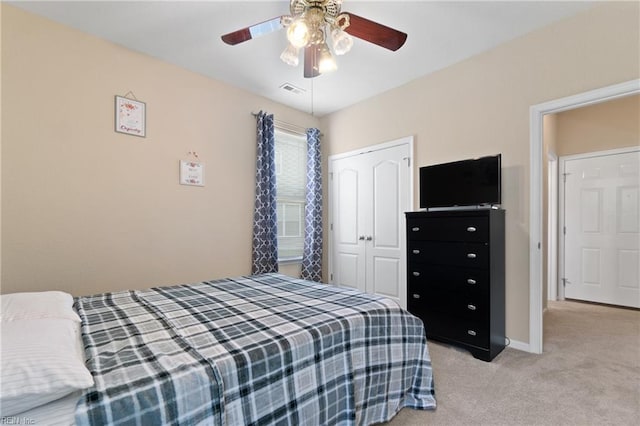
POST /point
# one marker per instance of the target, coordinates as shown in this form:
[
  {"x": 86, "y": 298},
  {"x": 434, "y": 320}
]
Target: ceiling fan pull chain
[{"x": 312, "y": 97}]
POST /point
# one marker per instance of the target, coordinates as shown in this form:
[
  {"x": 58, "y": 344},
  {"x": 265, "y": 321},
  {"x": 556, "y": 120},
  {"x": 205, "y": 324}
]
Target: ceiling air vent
[{"x": 291, "y": 88}]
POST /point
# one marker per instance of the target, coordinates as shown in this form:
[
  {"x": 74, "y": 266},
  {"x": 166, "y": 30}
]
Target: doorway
[{"x": 537, "y": 112}]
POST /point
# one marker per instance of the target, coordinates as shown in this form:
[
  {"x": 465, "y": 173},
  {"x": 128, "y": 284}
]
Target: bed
[{"x": 264, "y": 349}]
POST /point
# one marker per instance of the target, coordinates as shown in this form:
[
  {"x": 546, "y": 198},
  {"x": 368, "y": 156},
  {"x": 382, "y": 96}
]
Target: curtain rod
[{"x": 287, "y": 126}]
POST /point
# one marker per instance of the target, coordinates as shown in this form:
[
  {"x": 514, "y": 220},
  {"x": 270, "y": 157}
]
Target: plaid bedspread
[{"x": 256, "y": 350}]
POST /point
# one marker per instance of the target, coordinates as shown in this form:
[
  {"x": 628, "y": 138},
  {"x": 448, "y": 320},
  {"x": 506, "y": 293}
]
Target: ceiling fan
[{"x": 308, "y": 27}]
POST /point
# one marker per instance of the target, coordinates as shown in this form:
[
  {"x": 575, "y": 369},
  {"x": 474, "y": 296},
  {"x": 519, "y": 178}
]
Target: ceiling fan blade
[
  {"x": 311, "y": 57},
  {"x": 375, "y": 33},
  {"x": 253, "y": 31}
]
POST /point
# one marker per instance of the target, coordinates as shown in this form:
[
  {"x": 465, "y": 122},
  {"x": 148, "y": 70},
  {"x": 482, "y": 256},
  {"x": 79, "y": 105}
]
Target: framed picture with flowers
[
  {"x": 130, "y": 116},
  {"x": 191, "y": 173}
]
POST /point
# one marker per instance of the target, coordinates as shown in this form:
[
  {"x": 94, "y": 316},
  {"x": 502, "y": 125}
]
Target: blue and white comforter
[{"x": 257, "y": 350}]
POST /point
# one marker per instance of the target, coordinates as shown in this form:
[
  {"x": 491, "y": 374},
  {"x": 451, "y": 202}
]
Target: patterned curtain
[
  {"x": 312, "y": 252},
  {"x": 265, "y": 222}
]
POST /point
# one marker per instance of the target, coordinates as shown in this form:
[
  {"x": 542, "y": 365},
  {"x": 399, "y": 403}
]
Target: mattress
[{"x": 56, "y": 413}]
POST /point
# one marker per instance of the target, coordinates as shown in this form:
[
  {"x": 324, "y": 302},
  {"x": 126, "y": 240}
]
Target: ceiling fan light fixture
[
  {"x": 326, "y": 63},
  {"x": 290, "y": 56},
  {"x": 342, "y": 42},
  {"x": 312, "y": 24},
  {"x": 298, "y": 33}
]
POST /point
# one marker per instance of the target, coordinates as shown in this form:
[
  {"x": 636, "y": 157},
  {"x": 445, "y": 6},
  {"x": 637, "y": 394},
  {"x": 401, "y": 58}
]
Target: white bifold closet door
[
  {"x": 369, "y": 193},
  {"x": 602, "y": 228}
]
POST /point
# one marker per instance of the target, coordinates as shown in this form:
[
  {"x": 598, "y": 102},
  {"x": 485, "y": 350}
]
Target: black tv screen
[{"x": 461, "y": 183}]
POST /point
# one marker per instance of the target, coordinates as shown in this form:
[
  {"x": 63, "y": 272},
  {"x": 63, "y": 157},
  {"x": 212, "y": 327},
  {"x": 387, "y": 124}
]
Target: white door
[
  {"x": 348, "y": 240},
  {"x": 369, "y": 193},
  {"x": 602, "y": 228}
]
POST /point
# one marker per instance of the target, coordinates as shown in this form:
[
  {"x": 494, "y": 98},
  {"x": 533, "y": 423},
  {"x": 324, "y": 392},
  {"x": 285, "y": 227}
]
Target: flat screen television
[{"x": 469, "y": 182}]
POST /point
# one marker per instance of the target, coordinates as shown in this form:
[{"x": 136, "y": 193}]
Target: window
[{"x": 291, "y": 180}]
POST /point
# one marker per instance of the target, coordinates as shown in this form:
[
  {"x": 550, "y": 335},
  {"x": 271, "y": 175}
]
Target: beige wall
[
  {"x": 600, "y": 127},
  {"x": 481, "y": 106},
  {"x": 86, "y": 209}
]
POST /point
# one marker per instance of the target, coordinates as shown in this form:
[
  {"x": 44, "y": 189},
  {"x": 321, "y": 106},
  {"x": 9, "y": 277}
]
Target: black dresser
[{"x": 455, "y": 274}]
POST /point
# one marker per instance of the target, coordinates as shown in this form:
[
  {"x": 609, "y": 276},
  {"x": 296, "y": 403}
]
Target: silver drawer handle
[
  {"x": 471, "y": 281},
  {"x": 471, "y": 307},
  {"x": 416, "y": 251},
  {"x": 416, "y": 296},
  {"x": 416, "y": 274},
  {"x": 471, "y": 332},
  {"x": 471, "y": 255},
  {"x": 415, "y": 228},
  {"x": 471, "y": 229}
]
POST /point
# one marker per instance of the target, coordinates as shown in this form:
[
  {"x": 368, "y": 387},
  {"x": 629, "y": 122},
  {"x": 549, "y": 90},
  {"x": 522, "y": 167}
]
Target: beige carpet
[{"x": 589, "y": 374}]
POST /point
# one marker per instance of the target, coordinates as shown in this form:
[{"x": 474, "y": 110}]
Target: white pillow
[
  {"x": 40, "y": 362},
  {"x": 44, "y": 304}
]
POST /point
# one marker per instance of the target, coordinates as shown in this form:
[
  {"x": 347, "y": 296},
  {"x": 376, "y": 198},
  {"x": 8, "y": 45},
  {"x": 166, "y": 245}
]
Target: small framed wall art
[
  {"x": 130, "y": 116},
  {"x": 191, "y": 173}
]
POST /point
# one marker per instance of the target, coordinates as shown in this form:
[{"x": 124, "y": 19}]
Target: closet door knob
[
  {"x": 471, "y": 255},
  {"x": 471, "y": 307},
  {"x": 471, "y": 281},
  {"x": 415, "y": 251},
  {"x": 361, "y": 237},
  {"x": 471, "y": 229},
  {"x": 369, "y": 238},
  {"x": 415, "y": 228},
  {"x": 416, "y": 274},
  {"x": 471, "y": 332},
  {"x": 416, "y": 296}
]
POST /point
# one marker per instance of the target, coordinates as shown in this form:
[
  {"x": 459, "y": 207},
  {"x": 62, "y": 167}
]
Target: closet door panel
[{"x": 369, "y": 193}]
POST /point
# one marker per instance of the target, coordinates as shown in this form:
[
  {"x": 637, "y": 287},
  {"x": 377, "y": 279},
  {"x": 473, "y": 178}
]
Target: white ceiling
[{"x": 187, "y": 33}]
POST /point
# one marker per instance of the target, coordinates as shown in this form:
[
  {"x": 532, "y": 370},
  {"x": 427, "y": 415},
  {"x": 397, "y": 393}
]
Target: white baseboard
[{"x": 521, "y": 346}]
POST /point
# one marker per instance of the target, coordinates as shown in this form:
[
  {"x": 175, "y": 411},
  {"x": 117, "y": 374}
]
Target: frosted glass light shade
[
  {"x": 290, "y": 56},
  {"x": 326, "y": 63},
  {"x": 342, "y": 42},
  {"x": 298, "y": 33}
]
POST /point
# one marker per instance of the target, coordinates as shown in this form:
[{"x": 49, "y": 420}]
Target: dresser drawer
[
  {"x": 449, "y": 229},
  {"x": 469, "y": 255},
  {"x": 471, "y": 308},
  {"x": 454, "y": 329},
  {"x": 452, "y": 278}
]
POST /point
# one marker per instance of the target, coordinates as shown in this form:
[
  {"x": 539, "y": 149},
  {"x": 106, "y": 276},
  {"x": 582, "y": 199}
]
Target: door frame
[
  {"x": 552, "y": 227},
  {"x": 561, "y": 205},
  {"x": 536, "y": 114},
  {"x": 407, "y": 140}
]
